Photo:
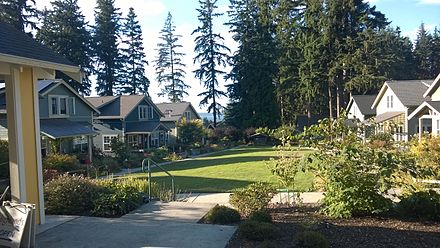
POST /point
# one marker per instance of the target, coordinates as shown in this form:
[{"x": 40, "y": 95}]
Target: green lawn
[{"x": 225, "y": 171}]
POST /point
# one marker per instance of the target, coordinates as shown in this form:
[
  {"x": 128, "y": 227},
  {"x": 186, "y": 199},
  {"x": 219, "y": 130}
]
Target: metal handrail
[{"x": 149, "y": 161}]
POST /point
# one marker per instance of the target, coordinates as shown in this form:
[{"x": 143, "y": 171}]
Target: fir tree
[
  {"x": 435, "y": 56},
  {"x": 133, "y": 79},
  {"x": 105, "y": 46},
  {"x": 423, "y": 53},
  {"x": 169, "y": 65},
  {"x": 18, "y": 13},
  {"x": 252, "y": 93},
  {"x": 64, "y": 31},
  {"x": 211, "y": 53}
]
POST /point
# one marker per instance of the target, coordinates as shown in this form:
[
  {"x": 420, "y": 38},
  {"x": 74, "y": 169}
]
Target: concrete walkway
[{"x": 155, "y": 224}]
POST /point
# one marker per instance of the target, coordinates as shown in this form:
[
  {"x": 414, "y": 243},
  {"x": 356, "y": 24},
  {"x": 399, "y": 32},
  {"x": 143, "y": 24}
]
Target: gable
[{"x": 389, "y": 102}]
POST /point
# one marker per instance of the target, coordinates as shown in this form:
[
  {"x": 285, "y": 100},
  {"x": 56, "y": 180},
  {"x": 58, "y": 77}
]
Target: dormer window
[
  {"x": 187, "y": 115},
  {"x": 146, "y": 113},
  {"x": 61, "y": 105},
  {"x": 390, "y": 101}
]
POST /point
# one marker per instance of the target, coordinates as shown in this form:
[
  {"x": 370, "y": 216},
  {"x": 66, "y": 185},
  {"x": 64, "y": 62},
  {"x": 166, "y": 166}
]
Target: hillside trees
[
  {"x": 64, "y": 30},
  {"x": 169, "y": 66},
  {"x": 211, "y": 54}
]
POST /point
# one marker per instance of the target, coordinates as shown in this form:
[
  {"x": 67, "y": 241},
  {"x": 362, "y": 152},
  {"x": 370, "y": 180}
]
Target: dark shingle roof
[
  {"x": 62, "y": 128},
  {"x": 16, "y": 43},
  {"x": 410, "y": 92},
  {"x": 435, "y": 105},
  {"x": 174, "y": 111},
  {"x": 364, "y": 103}
]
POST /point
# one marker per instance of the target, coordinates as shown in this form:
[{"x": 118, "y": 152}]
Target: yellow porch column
[{"x": 24, "y": 138}]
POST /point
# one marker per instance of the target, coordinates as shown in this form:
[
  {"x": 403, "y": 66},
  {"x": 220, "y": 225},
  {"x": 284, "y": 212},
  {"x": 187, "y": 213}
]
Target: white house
[
  {"x": 427, "y": 115},
  {"x": 359, "y": 107},
  {"x": 394, "y": 104}
]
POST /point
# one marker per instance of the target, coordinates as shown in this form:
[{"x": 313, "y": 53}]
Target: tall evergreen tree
[
  {"x": 105, "y": 46},
  {"x": 18, "y": 13},
  {"x": 252, "y": 93},
  {"x": 133, "y": 79},
  {"x": 312, "y": 81},
  {"x": 424, "y": 53},
  {"x": 211, "y": 53},
  {"x": 64, "y": 31},
  {"x": 435, "y": 58},
  {"x": 169, "y": 65}
]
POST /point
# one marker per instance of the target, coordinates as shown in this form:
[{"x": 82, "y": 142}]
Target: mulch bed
[{"x": 371, "y": 232}]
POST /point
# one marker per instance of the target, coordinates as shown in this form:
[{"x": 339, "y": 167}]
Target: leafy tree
[
  {"x": 190, "y": 132},
  {"x": 252, "y": 92},
  {"x": 105, "y": 40},
  {"x": 18, "y": 13},
  {"x": 133, "y": 79},
  {"x": 211, "y": 53},
  {"x": 64, "y": 31},
  {"x": 169, "y": 65}
]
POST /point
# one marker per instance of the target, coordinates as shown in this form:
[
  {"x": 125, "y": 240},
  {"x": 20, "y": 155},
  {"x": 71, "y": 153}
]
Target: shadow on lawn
[
  {"x": 245, "y": 150},
  {"x": 215, "y": 161},
  {"x": 201, "y": 184}
]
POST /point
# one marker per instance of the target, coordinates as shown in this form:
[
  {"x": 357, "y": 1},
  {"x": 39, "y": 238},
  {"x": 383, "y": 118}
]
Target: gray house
[
  {"x": 175, "y": 112},
  {"x": 134, "y": 118},
  {"x": 66, "y": 119}
]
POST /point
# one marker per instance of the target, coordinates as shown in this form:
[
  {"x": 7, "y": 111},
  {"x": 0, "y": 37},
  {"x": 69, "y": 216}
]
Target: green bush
[
  {"x": 4, "y": 159},
  {"x": 311, "y": 239},
  {"x": 116, "y": 199},
  {"x": 159, "y": 154},
  {"x": 107, "y": 163},
  {"x": 258, "y": 231},
  {"x": 61, "y": 162},
  {"x": 70, "y": 195},
  {"x": 261, "y": 216},
  {"x": 253, "y": 198},
  {"x": 422, "y": 205},
  {"x": 222, "y": 215}
]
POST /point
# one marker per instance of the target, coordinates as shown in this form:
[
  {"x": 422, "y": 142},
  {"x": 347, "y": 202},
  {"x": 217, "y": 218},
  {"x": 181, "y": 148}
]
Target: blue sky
[{"x": 407, "y": 14}]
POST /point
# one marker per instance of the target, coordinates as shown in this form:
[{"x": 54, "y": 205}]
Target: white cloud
[{"x": 412, "y": 34}]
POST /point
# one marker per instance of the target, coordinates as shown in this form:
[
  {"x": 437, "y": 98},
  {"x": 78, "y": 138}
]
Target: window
[
  {"x": 143, "y": 112},
  {"x": 438, "y": 127},
  {"x": 151, "y": 113},
  {"x": 187, "y": 115},
  {"x": 391, "y": 101},
  {"x": 133, "y": 141},
  {"x": 61, "y": 105},
  {"x": 107, "y": 141}
]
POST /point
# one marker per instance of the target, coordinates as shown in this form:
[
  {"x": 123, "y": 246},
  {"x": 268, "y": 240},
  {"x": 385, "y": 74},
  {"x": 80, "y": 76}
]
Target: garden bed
[{"x": 354, "y": 232}]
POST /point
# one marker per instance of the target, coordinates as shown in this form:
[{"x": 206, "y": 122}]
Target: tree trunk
[{"x": 330, "y": 105}]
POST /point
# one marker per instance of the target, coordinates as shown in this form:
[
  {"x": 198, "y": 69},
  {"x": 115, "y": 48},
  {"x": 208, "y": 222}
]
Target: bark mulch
[{"x": 359, "y": 232}]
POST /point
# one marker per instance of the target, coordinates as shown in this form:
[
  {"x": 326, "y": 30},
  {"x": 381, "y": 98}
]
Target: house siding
[
  {"x": 355, "y": 113},
  {"x": 382, "y": 105}
]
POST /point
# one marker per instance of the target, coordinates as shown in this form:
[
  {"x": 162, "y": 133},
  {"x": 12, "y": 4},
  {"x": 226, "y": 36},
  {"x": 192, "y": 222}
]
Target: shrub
[
  {"x": 190, "y": 132},
  {"x": 423, "y": 205},
  {"x": 253, "y": 198},
  {"x": 311, "y": 239},
  {"x": 116, "y": 199},
  {"x": 50, "y": 175},
  {"x": 222, "y": 215},
  {"x": 427, "y": 153},
  {"x": 261, "y": 216},
  {"x": 159, "y": 154},
  {"x": 61, "y": 162},
  {"x": 4, "y": 159},
  {"x": 107, "y": 163},
  {"x": 381, "y": 140},
  {"x": 258, "y": 231},
  {"x": 71, "y": 195}
]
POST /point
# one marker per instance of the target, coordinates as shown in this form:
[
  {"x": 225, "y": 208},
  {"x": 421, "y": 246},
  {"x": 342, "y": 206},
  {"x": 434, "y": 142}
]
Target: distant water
[{"x": 209, "y": 116}]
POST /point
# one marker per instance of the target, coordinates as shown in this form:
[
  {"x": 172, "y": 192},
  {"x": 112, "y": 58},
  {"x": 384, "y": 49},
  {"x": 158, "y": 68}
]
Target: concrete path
[{"x": 156, "y": 224}]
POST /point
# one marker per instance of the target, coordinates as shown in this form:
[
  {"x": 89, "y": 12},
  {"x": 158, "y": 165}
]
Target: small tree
[{"x": 190, "y": 132}]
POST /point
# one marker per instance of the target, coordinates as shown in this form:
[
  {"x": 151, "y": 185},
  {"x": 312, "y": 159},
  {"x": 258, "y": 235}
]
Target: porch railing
[{"x": 148, "y": 170}]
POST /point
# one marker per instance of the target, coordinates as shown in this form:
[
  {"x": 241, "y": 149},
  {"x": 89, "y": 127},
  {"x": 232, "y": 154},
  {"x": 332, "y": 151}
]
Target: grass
[{"x": 226, "y": 171}]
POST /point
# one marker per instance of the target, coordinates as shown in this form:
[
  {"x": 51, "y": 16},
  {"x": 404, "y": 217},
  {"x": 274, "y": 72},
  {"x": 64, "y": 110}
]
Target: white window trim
[
  {"x": 58, "y": 97},
  {"x": 151, "y": 113},
  {"x": 112, "y": 136},
  {"x": 145, "y": 107},
  {"x": 73, "y": 105},
  {"x": 187, "y": 115}
]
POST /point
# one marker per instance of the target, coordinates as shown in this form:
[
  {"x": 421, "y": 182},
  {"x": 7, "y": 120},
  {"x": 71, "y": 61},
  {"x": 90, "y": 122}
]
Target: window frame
[
  {"x": 58, "y": 105},
  {"x": 111, "y": 136},
  {"x": 143, "y": 109},
  {"x": 187, "y": 115}
]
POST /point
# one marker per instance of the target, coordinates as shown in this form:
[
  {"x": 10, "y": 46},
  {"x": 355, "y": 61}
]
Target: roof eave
[
  {"x": 433, "y": 86},
  {"x": 380, "y": 95},
  {"x": 39, "y": 63}
]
